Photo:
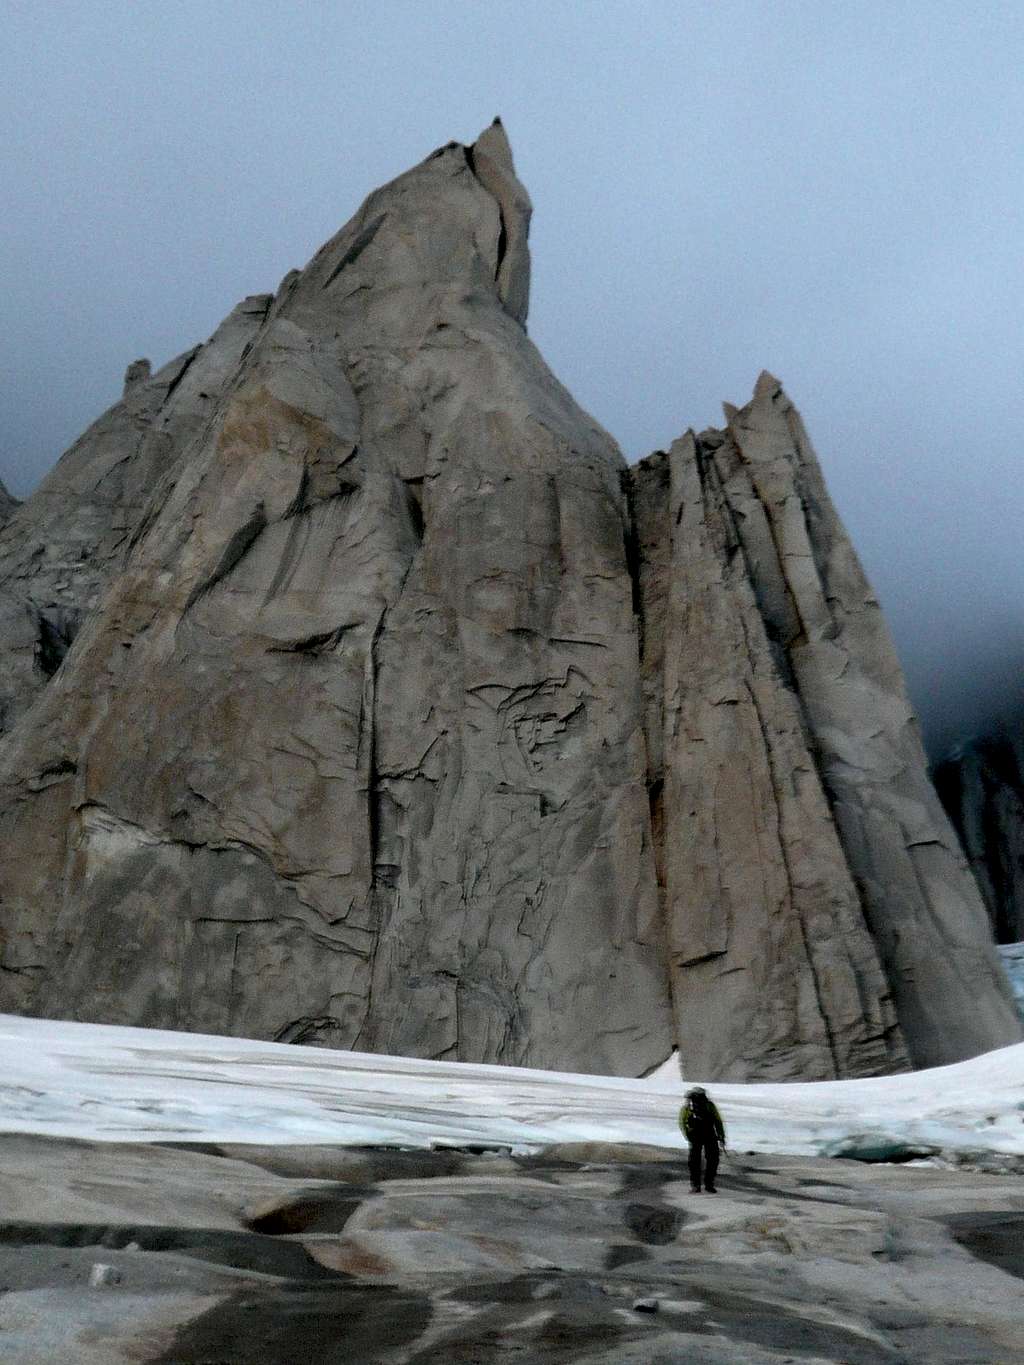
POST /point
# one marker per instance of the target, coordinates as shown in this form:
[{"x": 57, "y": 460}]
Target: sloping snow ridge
[{"x": 107, "y": 1083}]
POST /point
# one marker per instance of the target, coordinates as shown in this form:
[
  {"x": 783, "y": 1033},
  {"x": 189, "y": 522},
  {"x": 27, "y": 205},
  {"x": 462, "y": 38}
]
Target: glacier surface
[{"x": 110, "y": 1083}]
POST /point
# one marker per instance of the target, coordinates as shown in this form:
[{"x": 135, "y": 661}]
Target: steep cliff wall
[
  {"x": 356, "y": 692},
  {"x": 982, "y": 788},
  {"x": 352, "y": 750},
  {"x": 803, "y": 840},
  {"x": 773, "y": 967}
]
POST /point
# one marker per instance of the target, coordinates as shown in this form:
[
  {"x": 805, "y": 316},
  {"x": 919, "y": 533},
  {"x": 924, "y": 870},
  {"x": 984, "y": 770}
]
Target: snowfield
[{"x": 110, "y": 1083}]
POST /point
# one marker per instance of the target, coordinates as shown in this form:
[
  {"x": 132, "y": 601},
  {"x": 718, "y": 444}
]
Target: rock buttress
[
  {"x": 803, "y": 843},
  {"x": 774, "y": 974}
]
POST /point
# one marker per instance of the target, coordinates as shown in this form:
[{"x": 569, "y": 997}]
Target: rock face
[
  {"x": 982, "y": 788},
  {"x": 353, "y": 750},
  {"x": 397, "y": 714},
  {"x": 1012, "y": 955},
  {"x": 801, "y": 833},
  {"x": 60, "y": 550},
  {"x": 771, "y": 958}
]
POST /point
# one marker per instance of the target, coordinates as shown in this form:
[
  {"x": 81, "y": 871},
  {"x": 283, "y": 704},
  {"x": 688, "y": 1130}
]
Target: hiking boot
[
  {"x": 695, "y": 1189},
  {"x": 711, "y": 1189}
]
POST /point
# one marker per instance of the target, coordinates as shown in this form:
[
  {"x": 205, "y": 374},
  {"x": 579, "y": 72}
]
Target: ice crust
[{"x": 108, "y": 1083}]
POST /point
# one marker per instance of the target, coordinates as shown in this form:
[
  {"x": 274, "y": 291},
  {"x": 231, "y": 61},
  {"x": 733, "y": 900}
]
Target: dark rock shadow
[
  {"x": 316, "y": 1210},
  {"x": 299, "y": 1324},
  {"x": 623, "y": 1253},
  {"x": 653, "y": 1224},
  {"x": 218, "y": 1246},
  {"x": 996, "y": 1238}
]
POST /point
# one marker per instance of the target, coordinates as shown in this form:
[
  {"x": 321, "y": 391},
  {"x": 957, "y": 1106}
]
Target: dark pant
[{"x": 708, "y": 1145}]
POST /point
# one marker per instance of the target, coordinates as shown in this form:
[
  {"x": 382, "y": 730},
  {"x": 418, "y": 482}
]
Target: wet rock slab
[{"x": 586, "y": 1254}]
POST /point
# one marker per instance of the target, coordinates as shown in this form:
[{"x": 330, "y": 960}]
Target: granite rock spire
[
  {"x": 814, "y": 890},
  {"x": 356, "y": 692}
]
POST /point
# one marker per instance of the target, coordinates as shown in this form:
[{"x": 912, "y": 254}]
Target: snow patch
[{"x": 108, "y": 1083}]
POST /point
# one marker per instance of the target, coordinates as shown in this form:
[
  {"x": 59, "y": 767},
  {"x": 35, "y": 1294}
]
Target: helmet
[{"x": 697, "y": 1092}]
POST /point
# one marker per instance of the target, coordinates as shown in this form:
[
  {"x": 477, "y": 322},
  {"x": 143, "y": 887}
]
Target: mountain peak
[
  {"x": 491, "y": 160},
  {"x": 357, "y": 692}
]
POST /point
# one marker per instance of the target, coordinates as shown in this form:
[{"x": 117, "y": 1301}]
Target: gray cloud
[{"x": 831, "y": 192}]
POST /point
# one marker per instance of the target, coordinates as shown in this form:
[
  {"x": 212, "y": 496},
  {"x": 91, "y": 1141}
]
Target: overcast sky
[{"x": 832, "y": 191}]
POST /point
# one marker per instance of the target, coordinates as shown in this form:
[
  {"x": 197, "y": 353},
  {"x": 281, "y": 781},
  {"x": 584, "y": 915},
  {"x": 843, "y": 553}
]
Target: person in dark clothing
[{"x": 703, "y": 1129}]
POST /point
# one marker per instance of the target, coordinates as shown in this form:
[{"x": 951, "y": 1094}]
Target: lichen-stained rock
[
  {"x": 352, "y": 748},
  {"x": 982, "y": 789},
  {"x": 60, "y": 549},
  {"x": 774, "y": 974},
  {"x": 848, "y": 712}
]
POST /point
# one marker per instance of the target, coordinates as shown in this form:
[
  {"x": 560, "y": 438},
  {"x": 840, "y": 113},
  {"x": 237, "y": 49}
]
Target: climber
[{"x": 703, "y": 1129}]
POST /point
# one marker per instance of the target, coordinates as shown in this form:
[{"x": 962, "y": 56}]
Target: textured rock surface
[
  {"x": 397, "y": 714},
  {"x": 352, "y": 750},
  {"x": 379, "y": 1255},
  {"x": 799, "y": 820},
  {"x": 60, "y": 550},
  {"x": 774, "y": 970},
  {"x": 982, "y": 788}
]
